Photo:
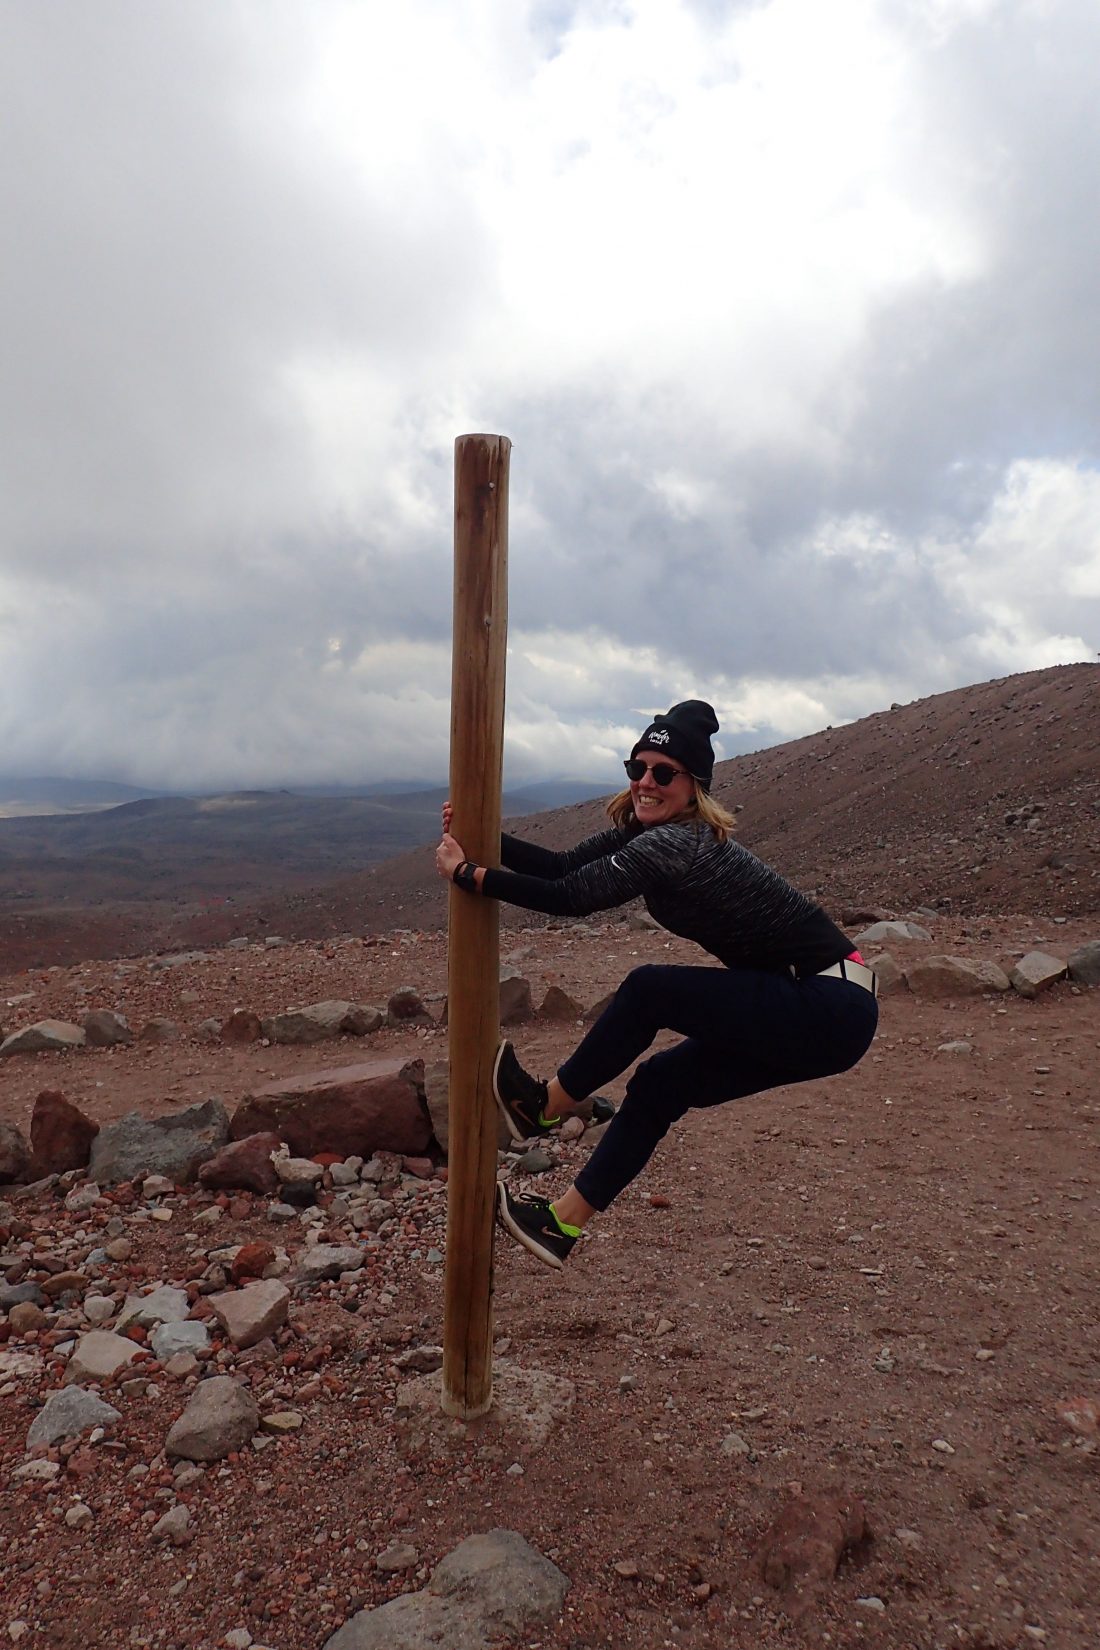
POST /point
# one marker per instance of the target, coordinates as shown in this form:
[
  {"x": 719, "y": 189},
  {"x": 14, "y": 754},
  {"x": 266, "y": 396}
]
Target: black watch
[{"x": 463, "y": 876}]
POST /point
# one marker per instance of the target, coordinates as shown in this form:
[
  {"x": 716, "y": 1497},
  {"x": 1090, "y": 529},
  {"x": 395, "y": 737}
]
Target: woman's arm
[{"x": 531, "y": 860}]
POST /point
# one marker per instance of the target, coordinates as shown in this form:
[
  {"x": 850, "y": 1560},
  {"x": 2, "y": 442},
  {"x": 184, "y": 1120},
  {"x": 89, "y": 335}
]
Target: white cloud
[{"x": 792, "y": 311}]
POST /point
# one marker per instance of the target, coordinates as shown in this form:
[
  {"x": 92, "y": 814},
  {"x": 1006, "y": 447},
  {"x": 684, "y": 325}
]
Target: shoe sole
[
  {"x": 528, "y": 1242},
  {"x": 502, "y": 1108}
]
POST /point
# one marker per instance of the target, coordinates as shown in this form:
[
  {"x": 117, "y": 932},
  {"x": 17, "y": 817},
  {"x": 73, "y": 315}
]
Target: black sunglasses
[{"x": 662, "y": 773}]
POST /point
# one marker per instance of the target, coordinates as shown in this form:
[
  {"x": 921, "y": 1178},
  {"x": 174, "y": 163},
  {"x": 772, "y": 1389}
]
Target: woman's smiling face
[{"x": 656, "y": 804}]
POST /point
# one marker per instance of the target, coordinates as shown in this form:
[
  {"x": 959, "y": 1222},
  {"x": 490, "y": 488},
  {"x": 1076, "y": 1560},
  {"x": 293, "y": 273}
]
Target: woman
[{"x": 793, "y": 1000}]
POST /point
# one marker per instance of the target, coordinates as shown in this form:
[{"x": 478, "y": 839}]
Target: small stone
[
  {"x": 98, "y": 1309},
  {"x": 536, "y": 1161},
  {"x": 37, "y": 1472},
  {"x": 98, "y": 1356},
  {"x": 169, "y": 1340},
  {"x": 253, "y": 1313},
  {"x": 420, "y": 1360},
  {"x": 157, "y": 1185},
  {"x": 399, "y": 1556},
  {"x": 327, "y": 1261},
  {"x": 281, "y": 1421},
  {"x": 26, "y": 1316},
  {"x": 79, "y": 1516},
  {"x": 238, "y": 1638},
  {"x": 173, "y": 1526},
  {"x": 1081, "y": 1415},
  {"x": 734, "y": 1444},
  {"x": 942, "y": 1446},
  {"x": 162, "y": 1305},
  {"x": 181, "y": 1365},
  {"x": 871, "y": 1602}
]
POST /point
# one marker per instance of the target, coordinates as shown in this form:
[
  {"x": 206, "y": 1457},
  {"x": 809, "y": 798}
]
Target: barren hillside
[{"x": 984, "y": 799}]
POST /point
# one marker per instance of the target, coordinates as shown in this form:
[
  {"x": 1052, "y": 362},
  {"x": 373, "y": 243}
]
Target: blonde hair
[{"x": 702, "y": 807}]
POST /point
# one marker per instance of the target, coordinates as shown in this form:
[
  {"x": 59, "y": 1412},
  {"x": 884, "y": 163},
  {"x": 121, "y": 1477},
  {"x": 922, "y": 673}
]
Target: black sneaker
[
  {"x": 531, "y": 1222},
  {"x": 521, "y": 1097}
]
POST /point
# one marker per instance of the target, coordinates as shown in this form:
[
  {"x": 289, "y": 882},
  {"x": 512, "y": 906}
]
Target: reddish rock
[
  {"x": 559, "y": 1005},
  {"x": 61, "y": 1135},
  {"x": 243, "y": 1165},
  {"x": 251, "y": 1261},
  {"x": 800, "y": 1553},
  {"x": 377, "y": 1105},
  {"x": 242, "y": 1026},
  {"x": 422, "y": 1167},
  {"x": 591, "y": 1015}
]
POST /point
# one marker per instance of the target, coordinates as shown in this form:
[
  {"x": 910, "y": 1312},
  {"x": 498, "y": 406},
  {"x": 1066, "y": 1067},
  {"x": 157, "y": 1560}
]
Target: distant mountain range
[
  {"x": 983, "y": 799},
  {"x": 23, "y": 797}
]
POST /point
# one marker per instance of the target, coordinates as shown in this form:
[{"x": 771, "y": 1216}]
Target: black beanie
[{"x": 684, "y": 734}]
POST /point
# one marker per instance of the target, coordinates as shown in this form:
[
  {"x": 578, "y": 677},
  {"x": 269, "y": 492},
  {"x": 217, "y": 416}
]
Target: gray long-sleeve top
[{"x": 715, "y": 893}]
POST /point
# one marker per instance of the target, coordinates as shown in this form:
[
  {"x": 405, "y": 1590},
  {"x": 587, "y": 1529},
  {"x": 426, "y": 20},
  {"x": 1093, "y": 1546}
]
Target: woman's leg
[{"x": 761, "y": 1031}]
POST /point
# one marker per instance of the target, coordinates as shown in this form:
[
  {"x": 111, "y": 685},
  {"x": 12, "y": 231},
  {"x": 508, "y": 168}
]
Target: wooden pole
[{"x": 473, "y": 956}]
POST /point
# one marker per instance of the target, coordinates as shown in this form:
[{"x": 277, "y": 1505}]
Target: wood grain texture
[{"x": 473, "y": 964}]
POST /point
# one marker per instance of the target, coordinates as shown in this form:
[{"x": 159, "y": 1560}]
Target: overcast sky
[{"x": 790, "y": 308}]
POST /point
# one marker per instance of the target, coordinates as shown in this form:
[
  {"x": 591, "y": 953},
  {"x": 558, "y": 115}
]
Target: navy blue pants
[{"x": 743, "y": 1031}]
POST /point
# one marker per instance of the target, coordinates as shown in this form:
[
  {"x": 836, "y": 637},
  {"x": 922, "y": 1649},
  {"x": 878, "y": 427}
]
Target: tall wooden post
[{"x": 473, "y": 958}]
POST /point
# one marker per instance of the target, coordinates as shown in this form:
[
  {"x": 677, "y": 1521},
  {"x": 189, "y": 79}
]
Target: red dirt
[{"x": 847, "y": 1274}]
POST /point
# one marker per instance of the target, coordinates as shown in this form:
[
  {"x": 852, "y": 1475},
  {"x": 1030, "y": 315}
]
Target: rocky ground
[{"x": 882, "y": 1285}]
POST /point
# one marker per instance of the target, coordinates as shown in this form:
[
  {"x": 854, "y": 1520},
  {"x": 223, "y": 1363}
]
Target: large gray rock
[
  {"x": 375, "y": 1106},
  {"x": 515, "y": 997},
  {"x": 885, "y": 933},
  {"x": 15, "y": 1154},
  {"x": 105, "y": 1029},
  {"x": 888, "y": 973},
  {"x": 320, "y": 1021},
  {"x": 172, "y": 1146},
  {"x": 1036, "y": 972},
  {"x": 221, "y": 1417},
  {"x": 437, "y": 1093},
  {"x": 65, "y": 1414},
  {"x": 1084, "y": 964},
  {"x": 955, "y": 977},
  {"x": 42, "y": 1037},
  {"x": 491, "y": 1588}
]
